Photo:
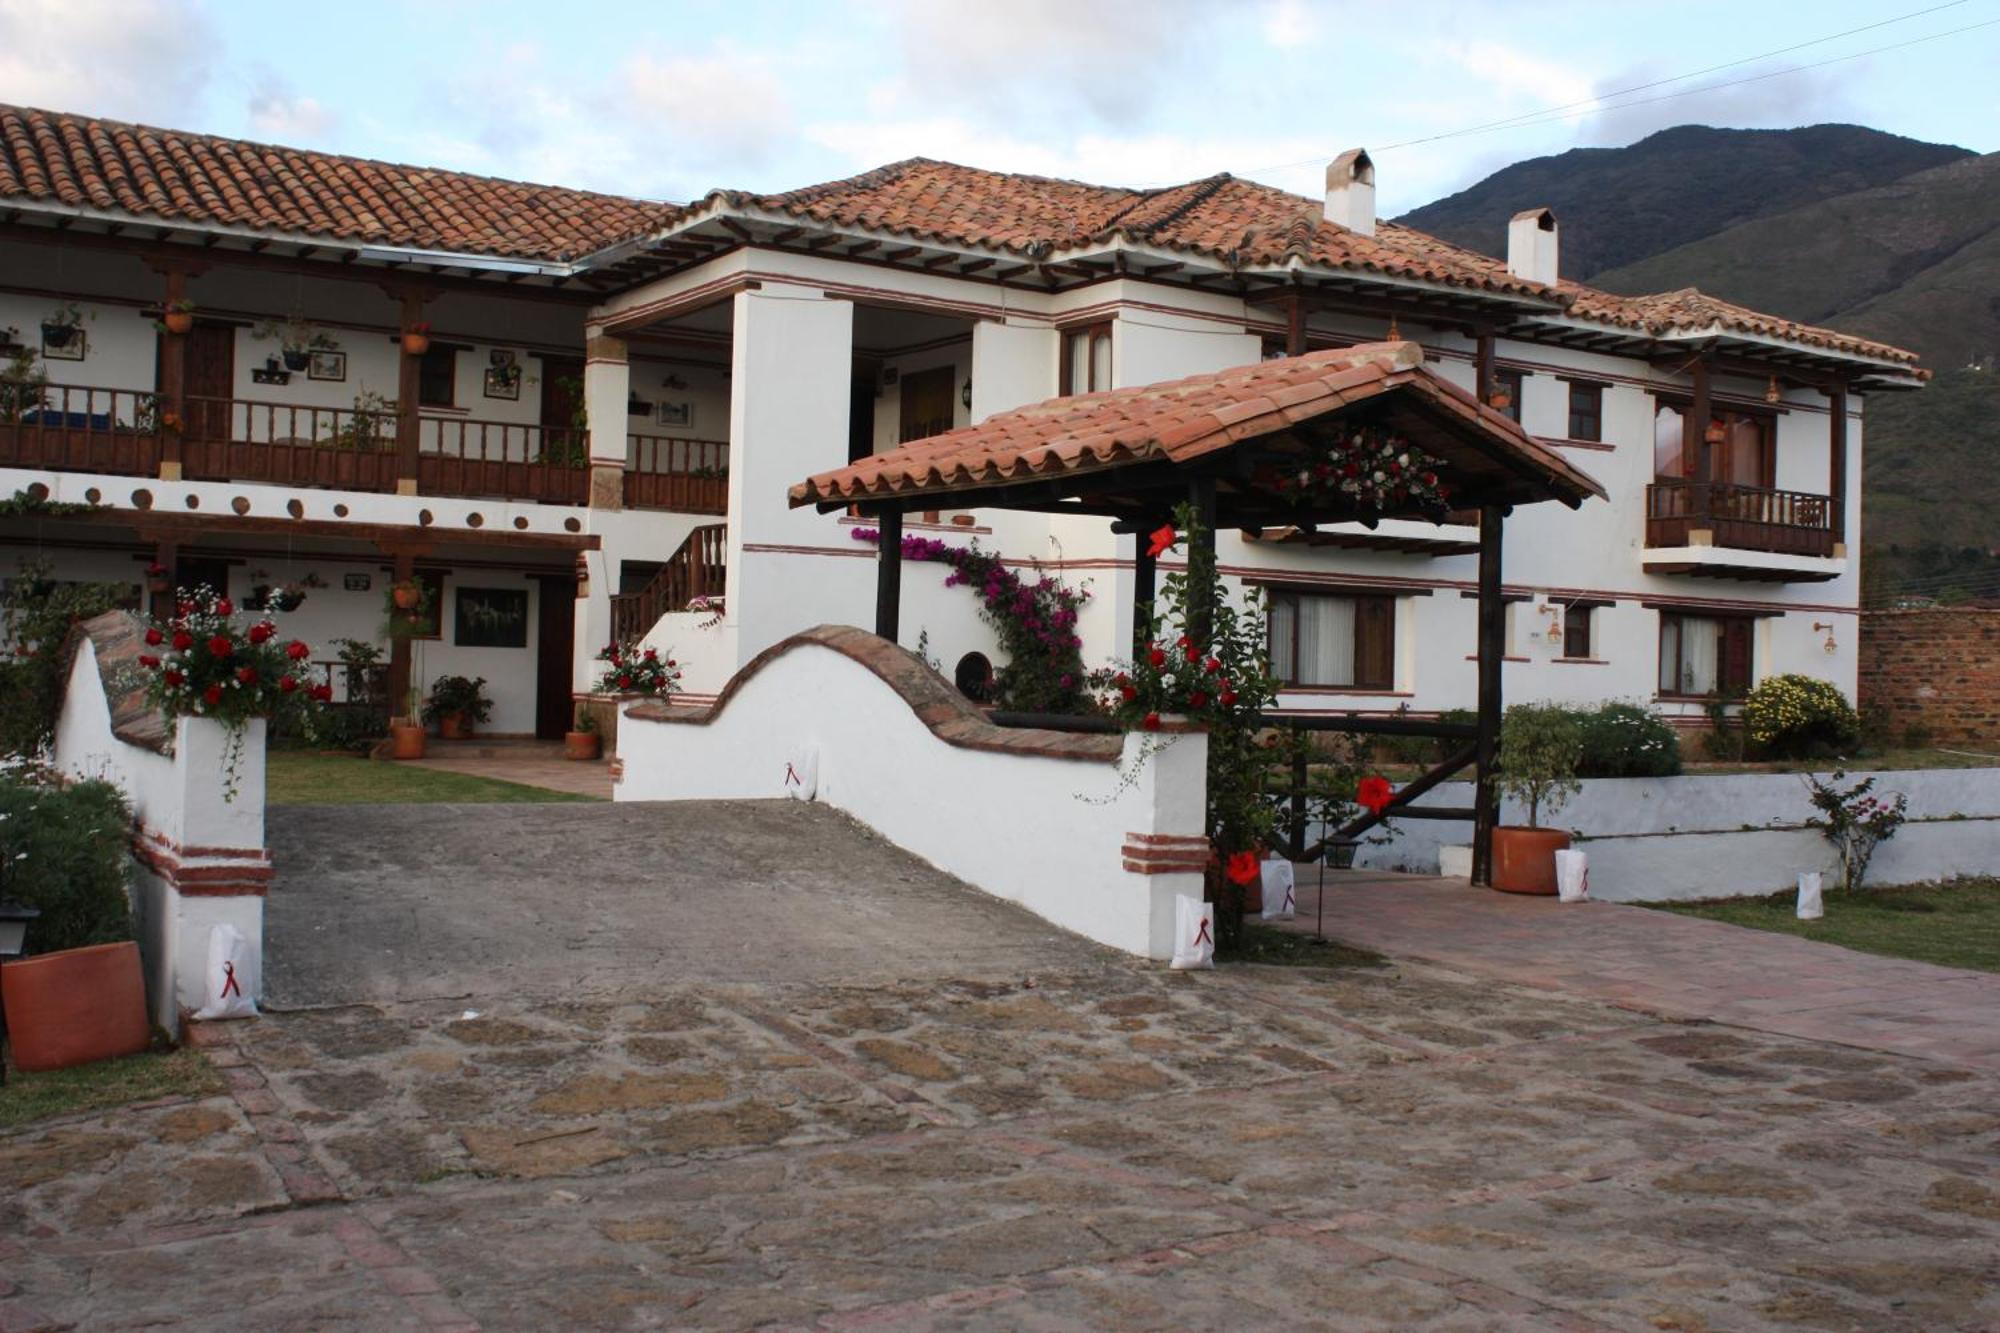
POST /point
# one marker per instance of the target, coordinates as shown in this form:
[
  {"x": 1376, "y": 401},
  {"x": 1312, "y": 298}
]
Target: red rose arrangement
[
  {"x": 1367, "y": 468},
  {"x": 631, "y": 669}
]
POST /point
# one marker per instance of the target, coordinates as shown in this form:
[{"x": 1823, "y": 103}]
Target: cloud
[
  {"x": 1290, "y": 24},
  {"x": 1047, "y": 60},
  {"x": 1809, "y": 97},
  {"x": 124, "y": 59},
  {"x": 725, "y": 107},
  {"x": 279, "y": 114}
]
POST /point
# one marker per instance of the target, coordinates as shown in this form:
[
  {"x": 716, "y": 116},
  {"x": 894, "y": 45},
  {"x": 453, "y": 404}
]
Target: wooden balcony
[
  {"x": 695, "y": 570},
  {"x": 1742, "y": 518},
  {"x": 69, "y": 428}
]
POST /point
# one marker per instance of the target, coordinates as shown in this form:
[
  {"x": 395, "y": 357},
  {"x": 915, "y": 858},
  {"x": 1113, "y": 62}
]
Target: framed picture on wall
[
  {"x": 503, "y": 381},
  {"x": 491, "y": 618},
  {"x": 327, "y": 366},
  {"x": 73, "y": 348},
  {"x": 679, "y": 414}
]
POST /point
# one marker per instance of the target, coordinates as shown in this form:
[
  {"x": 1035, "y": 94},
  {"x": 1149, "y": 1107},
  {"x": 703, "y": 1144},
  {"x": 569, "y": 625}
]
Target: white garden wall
[
  {"x": 1052, "y": 821},
  {"x": 1718, "y": 836},
  {"x": 199, "y": 845}
]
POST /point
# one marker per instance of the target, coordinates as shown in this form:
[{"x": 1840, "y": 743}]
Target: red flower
[
  {"x": 1197, "y": 700},
  {"x": 286, "y": 684},
  {"x": 172, "y": 677},
  {"x": 1227, "y": 699},
  {"x": 225, "y": 607},
  {"x": 297, "y": 650},
  {"x": 154, "y": 638},
  {"x": 220, "y": 646},
  {"x": 262, "y": 631},
  {"x": 1213, "y": 664},
  {"x": 1152, "y": 722},
  {"x": 651, "y": 654},
  {"x": 323, "y": 693},
  {"x": 1128, "y": 693},
  {"x": 184, "y": 607},
  {"x": 212, "y": 695},
  {"x": 1242, "y": 867},
  {"x": 1193, "y": 651},
  {"x": 624, "y": 682},
  {"x": 248, "y": 675},
  {"x": 1162, "y": 540},
  {"x": 182, "y": 640},
  {"x": 149, "y": 661},
  {"x": 1374, "y": 794},
  {"x": 1158, "y": 657},
  {"x": 672, "y": 663}
]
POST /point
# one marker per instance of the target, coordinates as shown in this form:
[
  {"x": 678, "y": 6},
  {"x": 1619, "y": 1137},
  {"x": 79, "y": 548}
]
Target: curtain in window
[
  {"x": 1100, "y": 362},
  {"x": 1701, "y": 642},
  {"x": 1743, "y": 454},
  {"x": 1667, "y": 457},
  {"x": 1326, "y": 641}
]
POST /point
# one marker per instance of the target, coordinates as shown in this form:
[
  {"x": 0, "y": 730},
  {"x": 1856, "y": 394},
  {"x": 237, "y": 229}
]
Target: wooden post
[
  {"x": 1482, "y": 370},
  {"x": 405, "y": 567},
  {"x": 166, "y": 554},
  {"x": 172, "y": 385},
  {"x": 409, "y": 392},
  {"x": 1295, "y": 328},
  {"x": 1301, "y": 776},
  {"x": 889, "y": 575},
  {"x": 1836, "y": 471},
  {"x": 1145, "y": 578},
  {"x": 1201, "y": 583},
  {"x": 1492, "y": 647},
  {"x": 1698, "y": 418}
]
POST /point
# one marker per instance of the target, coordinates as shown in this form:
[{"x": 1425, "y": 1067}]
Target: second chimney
[
  {"x": 1350, "y": 191},
  {"x": 1531, "y": 246}
]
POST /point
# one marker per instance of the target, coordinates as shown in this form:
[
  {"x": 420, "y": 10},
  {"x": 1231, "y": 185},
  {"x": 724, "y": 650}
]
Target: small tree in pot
[
  {"x": 456, "y": 703},
  {"x": 583, "y": 741},
  {"x": 1540, "y": 748}
]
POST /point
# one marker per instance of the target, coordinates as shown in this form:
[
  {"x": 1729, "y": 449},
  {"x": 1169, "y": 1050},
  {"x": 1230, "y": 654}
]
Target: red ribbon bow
[
  {"x": 1202, "y": 936},
  {"x": 229, "y": 986}
]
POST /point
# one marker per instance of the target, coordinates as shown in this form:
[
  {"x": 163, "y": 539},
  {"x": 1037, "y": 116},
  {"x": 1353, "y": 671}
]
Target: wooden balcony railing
[
  {"x": 1743, "y": 518},
  {"x": 695, "y": 570},
  {"x": 73, "y": 428}
]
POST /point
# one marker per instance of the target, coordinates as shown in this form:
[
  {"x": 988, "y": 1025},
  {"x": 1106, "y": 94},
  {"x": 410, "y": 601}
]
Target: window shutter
[
  {"x": 1735, "y": 657},
  {"x": 1375, "y": 642}
]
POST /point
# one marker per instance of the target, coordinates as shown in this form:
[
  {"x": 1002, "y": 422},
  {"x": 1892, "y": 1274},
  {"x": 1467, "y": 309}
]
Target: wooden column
[
  {"x": 409, "y": 382},
  {"x": 1482, "y": 370},
  {"x": 1295, "y": 328},
  {"x": 1836, "y": 471},
  {"x": 889, "y": 575},
  {"x": 1700, "y": 414},
  {"x": 166, "y": 554},
  {"x": 1201, "y": 562},
  {"x": 1492, "y": 647},
  {"x": 405, "y": 563},
  {"x": 172, "y": 384},
  {"x": 1145, "y": 579}
]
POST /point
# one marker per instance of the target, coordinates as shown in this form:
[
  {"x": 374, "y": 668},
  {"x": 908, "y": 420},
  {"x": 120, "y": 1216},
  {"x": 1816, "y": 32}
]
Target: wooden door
[
  {"x": 210, "y": 380},
  {"x": 562, "y": 391},
  {"x": 926, "y": 406},
  {"x": 555, "y": 641}
]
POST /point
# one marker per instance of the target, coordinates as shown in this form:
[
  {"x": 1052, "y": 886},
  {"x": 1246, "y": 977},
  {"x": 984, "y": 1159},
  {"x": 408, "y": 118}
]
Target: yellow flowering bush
[{"x": 1799, "y": 717}]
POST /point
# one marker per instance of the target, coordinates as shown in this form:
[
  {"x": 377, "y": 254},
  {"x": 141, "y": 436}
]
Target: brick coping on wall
[
  {"x": 118, "y": 638},
  {"x": 951, "y": 717}
]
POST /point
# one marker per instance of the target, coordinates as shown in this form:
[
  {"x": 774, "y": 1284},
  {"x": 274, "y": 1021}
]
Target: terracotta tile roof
[
  {"x": 1690, "y": 309},
  {"x": 102, "y": 164},
  {"x": 1180, "y": 421}
]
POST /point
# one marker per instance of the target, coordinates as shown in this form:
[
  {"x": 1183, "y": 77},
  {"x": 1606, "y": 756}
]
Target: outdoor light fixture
[
  {"x": 1771, "y": 390},
  {"x": 14, "y": 919},
  {"x": 965, "y": 395},
  {"x": 1830, "y": 645}
]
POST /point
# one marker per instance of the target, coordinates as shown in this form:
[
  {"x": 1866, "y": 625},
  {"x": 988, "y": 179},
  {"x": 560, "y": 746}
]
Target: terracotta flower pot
[
  {"x": 407, "y": 596},
  {"x": 406, "y": 741},
  {"x": 1524, "y": 859},
  {"x": 178, "y": 321},
  {"x": 416, "y": 344},
  {"x": 582, "y": 745},
  {"x": 75, "y": 1006},
  {"x": 455, "y": 726}
]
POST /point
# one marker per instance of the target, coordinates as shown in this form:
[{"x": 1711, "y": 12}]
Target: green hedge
[
  {"x": 1799, "y": 717},
  {"x": 1627, "y": 741},
  {"x": 63, "y": 849}
]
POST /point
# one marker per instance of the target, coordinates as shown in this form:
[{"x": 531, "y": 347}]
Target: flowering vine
[{"x": 1036, "y": 622}]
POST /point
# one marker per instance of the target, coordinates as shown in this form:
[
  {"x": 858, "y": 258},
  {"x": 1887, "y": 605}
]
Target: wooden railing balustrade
[
  {"x": 668, "y": 472},
  {"x": 73, "y": 428},
  {"x": 1744, "y": 518},
  {"x": 695, "y": 570}
]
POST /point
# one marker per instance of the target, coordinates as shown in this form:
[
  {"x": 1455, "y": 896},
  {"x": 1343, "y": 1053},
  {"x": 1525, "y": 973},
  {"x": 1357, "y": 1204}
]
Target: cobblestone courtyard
[{"x": 1096, "y": 1143}]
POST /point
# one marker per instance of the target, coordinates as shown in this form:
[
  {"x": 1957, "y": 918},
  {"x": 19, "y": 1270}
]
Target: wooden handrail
[
  {"x": 1757, "y": 518},
  {"x": 696, "y": 569}
]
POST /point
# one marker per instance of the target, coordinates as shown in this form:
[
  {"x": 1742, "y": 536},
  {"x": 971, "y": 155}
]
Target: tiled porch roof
[
  {"x": 1690, "y": 309},
  {"x": 85, "y": 162},
  {"x": 1179, "y": 421}
]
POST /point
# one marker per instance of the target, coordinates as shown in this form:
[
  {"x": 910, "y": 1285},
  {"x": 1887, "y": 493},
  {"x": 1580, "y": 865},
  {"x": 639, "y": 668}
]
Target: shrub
[
  {"x": 1627, "y": 741},
  {"x": 1799, "y": 717},
  {"x": 63, "y": 851},
  {"x": 463, "y": 695},
  {"x": 1540, "y": 746},
  {"x": 1855, "y": 821}
]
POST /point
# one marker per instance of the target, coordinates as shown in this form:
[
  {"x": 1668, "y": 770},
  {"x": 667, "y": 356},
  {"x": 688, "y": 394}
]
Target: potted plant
[
  {"x": 406, "y": 730},
  {"x": 80, "y": 994},
  {"x": 456, "y": 704},
  {"x": 417, "y": 339},
  {"x": 1540, "y": 748},
  {"x": 177, "y": 317},
  {"x": 407, "y": 595},
  {"x": 297, "y": 340},
  {"x": 23, "y": 384},
  {"x": 63, "y": 325},
  {"x": 630, "y": 669},
  {"x": 583, "y": 741}
]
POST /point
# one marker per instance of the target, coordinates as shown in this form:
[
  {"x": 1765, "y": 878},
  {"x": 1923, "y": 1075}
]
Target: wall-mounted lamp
[
  {"x": 1771, "y": 394},
  {"x": 582, "y": 577},
  {"x": 965, "y": 395},
  {"x": 1830, "y": 645}
]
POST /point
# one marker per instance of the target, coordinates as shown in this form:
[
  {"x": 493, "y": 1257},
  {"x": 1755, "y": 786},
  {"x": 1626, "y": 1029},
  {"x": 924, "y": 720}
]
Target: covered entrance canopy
[{"x": 1252, "y": 447}]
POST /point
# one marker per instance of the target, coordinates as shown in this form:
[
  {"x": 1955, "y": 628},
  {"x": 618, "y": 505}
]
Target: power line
[{"x": 1570, "y": 110}]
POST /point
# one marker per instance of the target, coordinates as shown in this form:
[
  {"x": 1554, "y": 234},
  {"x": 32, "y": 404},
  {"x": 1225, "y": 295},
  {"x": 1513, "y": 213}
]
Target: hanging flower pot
[
  {"x": 297, "y": 360},
  {"x": 59, "y": 335},
  {"x": 408, "y": 595},
  {"x": 417, "y": 339},
  {"x": 178, "y": 321},
  {"x": 75, "y": 1006}
]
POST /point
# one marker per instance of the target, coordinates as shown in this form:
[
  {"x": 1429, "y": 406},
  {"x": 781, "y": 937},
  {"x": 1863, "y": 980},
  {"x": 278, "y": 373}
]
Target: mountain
[{"x": 1621, "y": 205}]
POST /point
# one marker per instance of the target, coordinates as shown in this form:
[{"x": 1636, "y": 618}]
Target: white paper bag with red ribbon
[
  {"x": 1280, "y": 888},
  {"x": 228, "y": 976},
  {"x": 802, "y": 773},
  {"x": 1194, "y": 939}
]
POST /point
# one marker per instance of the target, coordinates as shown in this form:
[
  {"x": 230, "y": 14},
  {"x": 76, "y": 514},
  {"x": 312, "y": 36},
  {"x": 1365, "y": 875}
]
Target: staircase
[{"x": 695, "y": 570}]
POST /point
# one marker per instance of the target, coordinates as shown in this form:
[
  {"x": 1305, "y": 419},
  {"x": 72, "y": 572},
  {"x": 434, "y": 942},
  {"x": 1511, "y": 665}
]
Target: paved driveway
[{"x": 994, "y": 1128}]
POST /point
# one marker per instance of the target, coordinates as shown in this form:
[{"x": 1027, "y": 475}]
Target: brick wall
[{"x": 1938, "y": 669}]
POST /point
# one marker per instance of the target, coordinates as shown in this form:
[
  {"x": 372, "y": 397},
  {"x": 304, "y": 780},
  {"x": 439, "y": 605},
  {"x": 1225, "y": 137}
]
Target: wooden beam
[{"x": 1492, "y": 703}]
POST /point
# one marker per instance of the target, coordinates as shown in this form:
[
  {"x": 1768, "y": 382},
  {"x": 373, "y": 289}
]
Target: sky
[{"x": 667, "y": 100}]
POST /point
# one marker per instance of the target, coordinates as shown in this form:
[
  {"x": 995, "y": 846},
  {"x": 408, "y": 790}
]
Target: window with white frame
[
  {"x": 1705, "y": 656},
  {"x": 1333, "y": 640}
]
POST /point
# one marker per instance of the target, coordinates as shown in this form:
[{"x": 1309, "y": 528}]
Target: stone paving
[
  {"x": 1094, "y": 1143},
  {"x": 531, "y": 763},
  {"x": 1668, "y": 964}
]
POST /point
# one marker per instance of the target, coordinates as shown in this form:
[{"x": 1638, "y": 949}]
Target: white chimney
[
  {"x": 1531, "y": 246},
  {"x": 1350, "y": 191}
]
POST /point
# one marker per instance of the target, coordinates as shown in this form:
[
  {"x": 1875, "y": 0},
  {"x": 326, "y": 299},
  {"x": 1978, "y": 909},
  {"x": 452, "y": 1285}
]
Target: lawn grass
[
  {"x": 1285, "y": 948},
  {"x": 303, "y": 777},
  {"x": 1955, "y": 924},
  {"x": 135, "y": 1078}
]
